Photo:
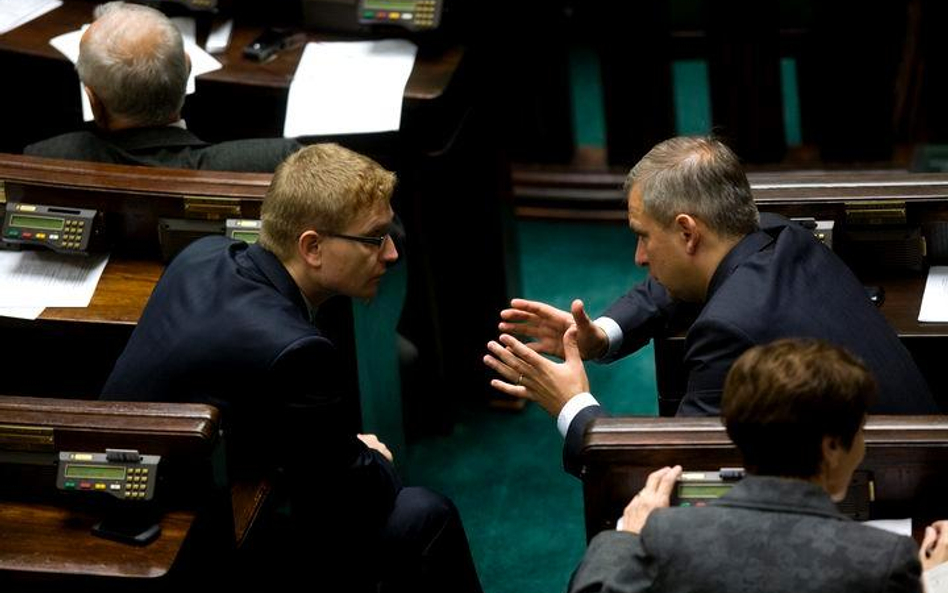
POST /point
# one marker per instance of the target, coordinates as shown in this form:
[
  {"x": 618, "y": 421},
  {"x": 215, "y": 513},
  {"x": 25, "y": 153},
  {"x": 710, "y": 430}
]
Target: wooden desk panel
[
  {"x": 47, "y": 539},
  {"x": 906, "y": 454},
  {"x": 120, "y": 297}
]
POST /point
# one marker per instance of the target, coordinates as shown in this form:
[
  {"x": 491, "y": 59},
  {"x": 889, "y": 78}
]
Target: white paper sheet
[
  {"x": 201, "y": 61},
  {"x": 219, "y": 37},
  {"x": 46, "y": 279},
  {"x": 14, "y": 13},
  {"x": 934, "y": 307},
  {"x": 30, "y": 313},
  {"x": 898, "y": 526},
  {"x": 349, "y": 87}
]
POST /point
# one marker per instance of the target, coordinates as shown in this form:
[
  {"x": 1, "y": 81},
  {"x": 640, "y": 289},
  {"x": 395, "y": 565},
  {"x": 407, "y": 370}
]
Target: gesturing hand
[
  {"x": 530, "y": 376},
  {"x": 546, "y": 325}
]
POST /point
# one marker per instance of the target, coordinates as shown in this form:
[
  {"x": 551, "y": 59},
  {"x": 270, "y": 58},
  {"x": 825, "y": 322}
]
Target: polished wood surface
[
  {"x": 41, "y": 538},
  {"x": 121, "y": 181},
  {"x": 908, "y": 456},
  {"x": 120, "y": 297},
  {"x": 428, "y": 80},
  {"x": 165, "y": 428}
]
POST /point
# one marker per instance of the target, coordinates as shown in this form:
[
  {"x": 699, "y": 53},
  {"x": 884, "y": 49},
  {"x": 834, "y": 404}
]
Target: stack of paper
[
  {"x": 14, "y": 13},
  {"x": 934, "y": 307},
  {"x": 34, "y": 280}
]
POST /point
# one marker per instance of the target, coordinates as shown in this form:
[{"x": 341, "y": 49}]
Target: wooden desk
[
  {"x": 429, "y": 79},
  {"x": 906, "y": 454},
  {"x": 40, "y": 538},
  {"x": 46, "y": 533}
]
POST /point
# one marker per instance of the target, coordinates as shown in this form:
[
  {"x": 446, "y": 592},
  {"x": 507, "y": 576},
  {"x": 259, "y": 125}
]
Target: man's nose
[
  {"x": 641, "y": 258},
  {"x": 389, "y": 251}
]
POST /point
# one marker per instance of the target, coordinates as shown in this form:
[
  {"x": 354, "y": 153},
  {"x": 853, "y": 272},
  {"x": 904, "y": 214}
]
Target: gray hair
[
  {"x": 697, "y": 176},
  {"x": 134, "y": 62}
]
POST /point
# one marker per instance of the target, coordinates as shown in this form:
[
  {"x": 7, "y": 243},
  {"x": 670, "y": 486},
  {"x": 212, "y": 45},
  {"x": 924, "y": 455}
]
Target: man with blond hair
[
  {"x": 231, "y": 324},
  {"x": 134, "y": 70}
]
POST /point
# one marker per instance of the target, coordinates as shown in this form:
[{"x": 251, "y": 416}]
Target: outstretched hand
[
  {"x": 546, "y": 325},
  {"x": 655, "y": 495},
  {"x": 528, "y": 375}
]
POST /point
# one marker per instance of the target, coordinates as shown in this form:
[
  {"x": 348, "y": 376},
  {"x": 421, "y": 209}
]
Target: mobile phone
[{"x": 272, "y": 41}]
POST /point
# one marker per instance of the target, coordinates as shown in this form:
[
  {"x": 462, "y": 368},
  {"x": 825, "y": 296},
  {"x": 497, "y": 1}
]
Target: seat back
[{"x": 906, "y": 457}]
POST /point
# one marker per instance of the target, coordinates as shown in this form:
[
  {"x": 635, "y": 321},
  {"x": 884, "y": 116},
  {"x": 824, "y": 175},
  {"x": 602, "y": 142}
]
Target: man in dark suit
[
  {"x": 134, "y": 70},
  {"x": 795, "y": 410},
  {"x": 231, "y": 325},
  {"x": 755, "y": 278}
]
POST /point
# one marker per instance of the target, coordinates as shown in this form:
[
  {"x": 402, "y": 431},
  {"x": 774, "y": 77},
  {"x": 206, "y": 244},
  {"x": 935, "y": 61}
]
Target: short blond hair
[{"x": 322, "y": 187}]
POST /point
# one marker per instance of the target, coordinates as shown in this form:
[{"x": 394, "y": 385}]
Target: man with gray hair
[
  {"x": 755, "y": 278},
  {"x": 134, "y": 70}
]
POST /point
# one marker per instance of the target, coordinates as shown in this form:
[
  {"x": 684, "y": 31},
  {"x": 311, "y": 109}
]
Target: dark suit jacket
[
  {"x": 167, "y": 146},
  {"x": 766, "y": 534},
  {"x": 778, "y": 282},
  {"x": 227, "y": 325}
]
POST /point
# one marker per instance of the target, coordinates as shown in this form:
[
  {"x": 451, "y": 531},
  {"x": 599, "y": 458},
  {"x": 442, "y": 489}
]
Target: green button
[
  {"x": 368, "y": 14},
  {"x": 13, "y": 232},
  {"x": 69, "y": 484}
]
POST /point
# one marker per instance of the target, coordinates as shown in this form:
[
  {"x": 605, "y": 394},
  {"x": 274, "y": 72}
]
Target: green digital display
[
  {"x": 390, "y": 5},
  {"x": 95, "y": 472},
  {"x": 702, "y": 490},
  {"x": 37, "y": 222},
  {"x": 246, "y": 236}
]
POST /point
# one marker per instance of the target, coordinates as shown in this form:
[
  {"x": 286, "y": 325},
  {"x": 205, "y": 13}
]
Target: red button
[
  {"x": 85, "y": 485},
  {"x": 26, "y": 235}
]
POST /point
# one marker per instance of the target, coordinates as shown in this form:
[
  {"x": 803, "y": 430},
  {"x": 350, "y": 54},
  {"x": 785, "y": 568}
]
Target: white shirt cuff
[
  {"x": 936, "y": 579},
  {"x": 613, "y": 332},
  {"x": 575, "y": 405}
]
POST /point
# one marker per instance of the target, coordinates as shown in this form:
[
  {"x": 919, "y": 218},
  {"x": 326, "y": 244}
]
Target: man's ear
[
  {"x": 99, "y": 113},
  {"x": 832, "y": 451},
  {"x": 687, "y": 228},
  {"x": 308, "y": 245},
  {"x": 187, "y": 60}
]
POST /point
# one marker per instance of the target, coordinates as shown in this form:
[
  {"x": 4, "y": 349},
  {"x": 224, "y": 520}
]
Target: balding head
[{"x": 132, "y": 59}]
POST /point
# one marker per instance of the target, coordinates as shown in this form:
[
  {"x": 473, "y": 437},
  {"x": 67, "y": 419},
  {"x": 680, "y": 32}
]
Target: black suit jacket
[
  {"x": 778, "y": 282},
  {"x": 226, "y": 325},
  {"x": 766, "y": 534},
  {"x": 166, "y": 146}
]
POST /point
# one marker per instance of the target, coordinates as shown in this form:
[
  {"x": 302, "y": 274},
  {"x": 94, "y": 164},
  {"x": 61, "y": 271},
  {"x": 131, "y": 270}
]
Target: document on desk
[
  {"x": 14, "y": 13},
  {"x": 34, "y": 280},
  {"x": 201, "y": 62},
  {"x": 353, "y": 87},
  {"x": 934, "y": 307}
]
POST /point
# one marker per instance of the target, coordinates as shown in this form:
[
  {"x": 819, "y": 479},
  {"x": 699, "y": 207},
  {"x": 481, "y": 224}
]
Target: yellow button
[{"x": 100, "y": 486}]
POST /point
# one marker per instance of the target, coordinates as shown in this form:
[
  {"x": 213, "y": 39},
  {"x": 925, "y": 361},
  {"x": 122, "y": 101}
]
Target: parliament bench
[
  {"x": 203, "y": 512},
  {"x": 906, "y": 460}
]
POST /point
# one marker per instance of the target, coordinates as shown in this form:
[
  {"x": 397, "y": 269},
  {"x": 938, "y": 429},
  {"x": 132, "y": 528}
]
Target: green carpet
[{"x": 522, "y": 512}]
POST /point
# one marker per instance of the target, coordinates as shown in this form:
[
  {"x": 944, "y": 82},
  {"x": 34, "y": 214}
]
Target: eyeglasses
[{"x": 376, "y": 241}]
